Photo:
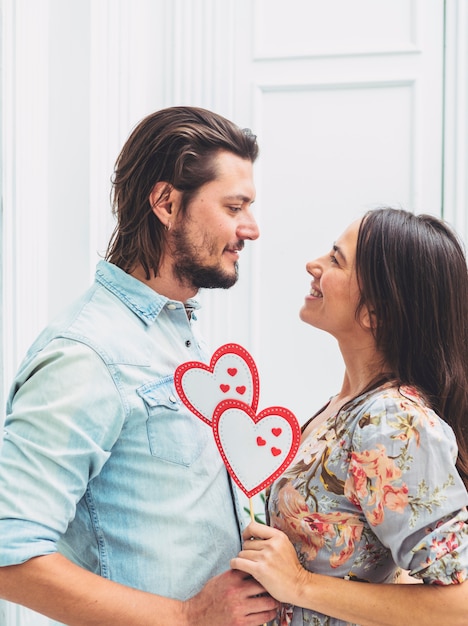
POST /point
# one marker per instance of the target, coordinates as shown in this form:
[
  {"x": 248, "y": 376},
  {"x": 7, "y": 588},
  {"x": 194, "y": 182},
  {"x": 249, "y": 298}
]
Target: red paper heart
[
  {"x": 238, "y": 430},
  {"x": 276, "y": 431},
  {"x": 200, "y": 386},
  {"x": 261, "y": 441},
  {"x": 224, "y": 388}
]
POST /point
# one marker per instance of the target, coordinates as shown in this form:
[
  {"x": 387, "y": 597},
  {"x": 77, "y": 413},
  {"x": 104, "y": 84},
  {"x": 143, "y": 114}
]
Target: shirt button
[
  {"x": 171, "y": 306},
  {"x": 188, "y": 343},
  {"x": 172, "y": 399}
]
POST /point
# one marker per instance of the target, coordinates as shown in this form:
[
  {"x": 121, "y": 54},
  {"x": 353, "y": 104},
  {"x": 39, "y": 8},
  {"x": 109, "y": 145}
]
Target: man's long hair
[
  {"x": 178, "y": 146},
  {"x": 413, "y": 277}
]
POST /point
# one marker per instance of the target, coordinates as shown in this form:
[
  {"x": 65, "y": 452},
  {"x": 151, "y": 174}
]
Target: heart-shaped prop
[
  {"x": 256, "y": 449},
  {"x": 232, "y": 373}
]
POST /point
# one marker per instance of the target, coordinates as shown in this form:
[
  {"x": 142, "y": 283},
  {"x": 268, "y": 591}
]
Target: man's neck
[{"x": 166, "y": 285}]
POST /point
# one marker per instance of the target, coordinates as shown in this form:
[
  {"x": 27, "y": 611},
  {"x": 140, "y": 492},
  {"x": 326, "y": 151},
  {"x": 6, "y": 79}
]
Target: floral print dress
[{"x": 372, "y": 490}]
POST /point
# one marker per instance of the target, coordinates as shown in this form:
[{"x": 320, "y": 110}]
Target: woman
[{"x": 374, "y": 486}]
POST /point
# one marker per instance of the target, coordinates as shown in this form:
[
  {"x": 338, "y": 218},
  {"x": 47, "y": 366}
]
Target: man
[{"x": 115, "y": 507}]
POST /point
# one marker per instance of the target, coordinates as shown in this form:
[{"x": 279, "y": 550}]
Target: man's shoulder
[{"x": 102, "y": 323}]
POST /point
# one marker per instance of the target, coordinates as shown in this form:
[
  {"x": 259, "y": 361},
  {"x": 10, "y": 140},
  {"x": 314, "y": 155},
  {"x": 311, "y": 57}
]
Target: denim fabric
[{"x": 101, "y": 461}]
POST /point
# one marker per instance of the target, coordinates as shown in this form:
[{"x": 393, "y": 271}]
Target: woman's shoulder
[
  {"x": 401, "y": 413},
  {"x": 391, "y": 399}
]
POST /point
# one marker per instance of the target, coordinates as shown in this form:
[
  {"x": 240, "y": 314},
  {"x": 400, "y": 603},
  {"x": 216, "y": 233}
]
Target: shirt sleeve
[
  {"x": 64, "y": 415},
  {"x": 403, "y": 476}
]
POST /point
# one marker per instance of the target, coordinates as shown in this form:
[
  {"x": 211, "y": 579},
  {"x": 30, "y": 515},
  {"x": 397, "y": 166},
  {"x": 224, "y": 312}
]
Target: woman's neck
[{"x": 364, "y": 365}]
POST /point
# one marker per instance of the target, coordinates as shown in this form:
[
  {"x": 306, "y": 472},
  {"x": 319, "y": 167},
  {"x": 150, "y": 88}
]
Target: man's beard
[{"x": 189, "y": 269}]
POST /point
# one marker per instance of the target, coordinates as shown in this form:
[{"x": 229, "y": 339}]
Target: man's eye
[
  {"x": 235, "y": 208},
  {"x": 333, "y": 259}
]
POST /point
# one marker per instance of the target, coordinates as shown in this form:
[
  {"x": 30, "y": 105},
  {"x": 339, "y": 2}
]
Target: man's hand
[{"x": 231, "y": 599}]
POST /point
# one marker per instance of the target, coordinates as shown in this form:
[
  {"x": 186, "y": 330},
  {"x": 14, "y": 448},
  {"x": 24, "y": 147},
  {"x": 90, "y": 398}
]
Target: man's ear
[{"x": 162, "y": 199}]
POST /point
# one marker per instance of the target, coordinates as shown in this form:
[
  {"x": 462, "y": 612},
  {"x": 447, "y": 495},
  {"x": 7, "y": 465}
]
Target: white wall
[{"x": 350, "y": 106}]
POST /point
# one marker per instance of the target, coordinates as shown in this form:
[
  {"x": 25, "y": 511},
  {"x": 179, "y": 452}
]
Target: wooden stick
[
  {"x": 252, "y": 514},
  {"x": 252, "y": 517}
]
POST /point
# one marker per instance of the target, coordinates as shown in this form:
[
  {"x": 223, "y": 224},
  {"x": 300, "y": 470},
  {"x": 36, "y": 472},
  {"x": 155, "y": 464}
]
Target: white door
[{"x": 346, "y": 98}]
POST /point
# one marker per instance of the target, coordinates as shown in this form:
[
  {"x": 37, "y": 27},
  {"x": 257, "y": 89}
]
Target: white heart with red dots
[
  {"x": 256, "y": 449},
  {"x": 232, "y": 374}
]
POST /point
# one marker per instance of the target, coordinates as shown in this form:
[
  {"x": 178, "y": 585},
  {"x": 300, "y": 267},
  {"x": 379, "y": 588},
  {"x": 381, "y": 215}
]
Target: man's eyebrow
[
  {"x": 339, "y": 251},
  {"x": 239, "y": 197}
]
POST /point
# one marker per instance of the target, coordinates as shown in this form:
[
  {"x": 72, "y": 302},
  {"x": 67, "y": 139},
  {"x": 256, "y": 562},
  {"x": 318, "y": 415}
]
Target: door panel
[{"x": 340, "y": 104}]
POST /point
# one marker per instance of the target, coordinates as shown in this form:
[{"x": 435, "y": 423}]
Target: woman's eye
[
  {"x": 234, "y": 209},
  {"x": 333, "y": 259}
]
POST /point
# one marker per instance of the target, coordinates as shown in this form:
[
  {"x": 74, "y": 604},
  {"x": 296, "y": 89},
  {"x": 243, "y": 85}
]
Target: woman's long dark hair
[{"x": 413, "y": 276}]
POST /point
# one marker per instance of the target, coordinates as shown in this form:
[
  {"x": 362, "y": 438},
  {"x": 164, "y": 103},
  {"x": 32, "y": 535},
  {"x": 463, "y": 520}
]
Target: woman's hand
[
  {"x": 269, "y": 556},
  {"x": 271, "y": 559}
]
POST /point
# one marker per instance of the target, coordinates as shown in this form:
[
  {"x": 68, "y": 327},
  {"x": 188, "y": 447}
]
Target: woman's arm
[{"x": 272, "y": 560}]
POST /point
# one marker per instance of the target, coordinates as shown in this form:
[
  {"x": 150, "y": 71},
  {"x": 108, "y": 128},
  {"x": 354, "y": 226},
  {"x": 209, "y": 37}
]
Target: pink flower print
[
  {"x": 448, "y": 544},
  {"x": 411, "y": 392},
  {"x": 321, "y": 525},
  {"x": 294, "y": 520},
  {"x": 291, "y": 503},
  {"x": 395, "y": 499},
  {"x": 458, "y": 577},
  {"x": 376, "y": 464},
  {"x": 303, "y": 536},
  {"x": 349, "y": 534},
  {"x": 376, "y": 515},
  {"x": 371, "y": 479},
  {"x": 355, "y": 487},
  {"x": 347, "y": 529}
]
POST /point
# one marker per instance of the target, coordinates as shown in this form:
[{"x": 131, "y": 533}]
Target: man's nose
[{"x": 248, "y": 228}]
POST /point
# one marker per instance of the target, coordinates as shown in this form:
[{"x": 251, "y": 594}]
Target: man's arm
[{"x": 65, "y": 592}]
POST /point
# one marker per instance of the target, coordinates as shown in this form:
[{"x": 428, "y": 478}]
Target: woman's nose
[{"x": 314, "y": 268}]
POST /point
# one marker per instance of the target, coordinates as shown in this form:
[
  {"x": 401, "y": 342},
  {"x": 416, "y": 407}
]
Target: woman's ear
[
  {"x": 368, "y": 318},
  {"x": 162, "y": 198}
]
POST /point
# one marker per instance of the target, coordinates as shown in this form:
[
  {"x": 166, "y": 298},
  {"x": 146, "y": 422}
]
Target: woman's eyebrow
[{"x": 339, "y": 251}]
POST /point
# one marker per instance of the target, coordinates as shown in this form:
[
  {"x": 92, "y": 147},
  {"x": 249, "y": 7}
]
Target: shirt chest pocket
[{"x": 174, "y": 434}]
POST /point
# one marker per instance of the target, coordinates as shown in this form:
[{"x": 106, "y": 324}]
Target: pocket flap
[{"x": 161, "y": 393}]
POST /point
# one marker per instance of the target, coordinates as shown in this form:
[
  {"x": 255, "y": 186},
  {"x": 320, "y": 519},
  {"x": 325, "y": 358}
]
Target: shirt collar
[{"x": 138, "y": 297}]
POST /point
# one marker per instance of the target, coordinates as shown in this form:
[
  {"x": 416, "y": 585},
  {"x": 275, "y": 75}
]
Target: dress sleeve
[
  {"x": 64, "y": 415},
  {"x": 402, "y": 475}
]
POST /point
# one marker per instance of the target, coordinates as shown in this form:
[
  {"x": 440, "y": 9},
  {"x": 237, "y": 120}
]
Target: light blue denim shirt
[{"x": 100, "y": 459}]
